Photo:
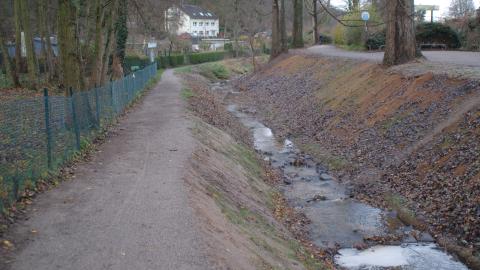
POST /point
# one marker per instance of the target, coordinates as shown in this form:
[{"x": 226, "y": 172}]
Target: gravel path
[
  {"x": 126, "y": 209},
  {"x": 449, "y": 57}
]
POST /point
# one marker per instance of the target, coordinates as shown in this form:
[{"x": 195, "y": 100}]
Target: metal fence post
[
  {"x": 74, "y": 118},
  {"x": 47, "y": 128},
  {"x": 97, "y": 107}
]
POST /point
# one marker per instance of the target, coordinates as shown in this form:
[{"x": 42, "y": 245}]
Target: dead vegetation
[{"x": 378, "y": 130}]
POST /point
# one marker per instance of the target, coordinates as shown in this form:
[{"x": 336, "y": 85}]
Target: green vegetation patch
[{"x": 187, "y": 93}]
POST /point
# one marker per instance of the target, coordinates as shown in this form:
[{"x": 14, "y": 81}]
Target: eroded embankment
[
  {"x": 401, "y": 141},
  {"x": 239, "y": 210}
]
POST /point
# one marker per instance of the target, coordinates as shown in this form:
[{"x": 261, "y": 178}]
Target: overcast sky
[{"x": 444, "y": 4}]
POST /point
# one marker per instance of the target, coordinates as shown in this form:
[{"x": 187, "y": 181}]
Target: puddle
[
  {"x": 336, "y": 218},
  {"x": 412, "y": 256}
]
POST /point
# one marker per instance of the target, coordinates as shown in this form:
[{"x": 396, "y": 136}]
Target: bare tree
[
  {"x": 461, "y": 8},
  {"x": 276, "y": 49}
]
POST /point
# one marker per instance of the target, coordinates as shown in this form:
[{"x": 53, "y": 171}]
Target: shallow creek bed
[{"x": 362, "y": 236}]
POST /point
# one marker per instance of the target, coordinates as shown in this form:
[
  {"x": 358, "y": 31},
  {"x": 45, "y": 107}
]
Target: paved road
[
  {"x": 128, "y": 208},
  {"x": 449, "y": 57}
]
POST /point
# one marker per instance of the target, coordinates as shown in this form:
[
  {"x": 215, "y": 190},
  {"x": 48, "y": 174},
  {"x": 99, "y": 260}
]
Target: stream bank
[{"x": 337, "y": 221}]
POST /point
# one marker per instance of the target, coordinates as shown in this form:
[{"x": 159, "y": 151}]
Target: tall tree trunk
[
  {"x": 121, "y": 34},
  {"x": 298, "y": 24},
  {"x": 283, "y": 27},
  {"x": 11, "y": 74},
  {"x": 236, "y": 26},
  {"x": 97, "y": 56},
  {"x": 17, "y": 7},
  {"x": 400, "y": 40},
  {"x": 276, "y": 36},
  {"x": 110, "y": 42},
  {"x": 68, "y": 41},
  {"x": 316, "y": 36},
  {"x": 45, "y": 37},
  {"x": 31, "y": 57}
]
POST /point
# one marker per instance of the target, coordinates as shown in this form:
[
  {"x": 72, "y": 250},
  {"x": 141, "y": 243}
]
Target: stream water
[{"x": 337, "y": 220}]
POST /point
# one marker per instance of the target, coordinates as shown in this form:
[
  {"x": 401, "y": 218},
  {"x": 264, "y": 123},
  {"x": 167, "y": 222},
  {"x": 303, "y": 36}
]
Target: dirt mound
[{"x": 416, "y": 137}]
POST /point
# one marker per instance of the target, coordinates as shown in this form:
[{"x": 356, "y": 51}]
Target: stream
[{"x": 338, "y": 220}]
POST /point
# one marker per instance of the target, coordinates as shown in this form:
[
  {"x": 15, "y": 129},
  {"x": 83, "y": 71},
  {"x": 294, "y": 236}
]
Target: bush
[
  {"x": 324, "y": 39},
  {"x": 339, "y": 35},
  {"x": 198, "y": 58},
  {"x": 437, "y": 33},
  {"x": 136, "y": 61},
  {"x": 355, "y": 35},
  {"x": 170, "y": 61},
  {"x": 228, "y": 47},
  {"x": 376, "y": 40}
]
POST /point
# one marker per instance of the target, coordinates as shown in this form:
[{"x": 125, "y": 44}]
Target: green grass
[
  {"x": 353, "y": 47},
  {"x": 187, "y": 93}
]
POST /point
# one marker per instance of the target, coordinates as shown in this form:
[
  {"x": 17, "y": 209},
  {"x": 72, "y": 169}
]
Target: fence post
[
  {"x": 47, "y": 128},
  {"x": 97, "y": 108},
  {"x": 74, "y": 118}
]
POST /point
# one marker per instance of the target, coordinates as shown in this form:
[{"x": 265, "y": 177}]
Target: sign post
[{"x": 365, "y": 17}]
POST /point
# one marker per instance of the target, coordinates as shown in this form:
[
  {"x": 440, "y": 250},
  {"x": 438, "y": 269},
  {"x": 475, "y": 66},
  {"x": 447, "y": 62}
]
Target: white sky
[{"x": 444, "y": 4}]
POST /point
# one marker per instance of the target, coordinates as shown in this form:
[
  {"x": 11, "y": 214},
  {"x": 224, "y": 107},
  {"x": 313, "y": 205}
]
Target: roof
[{"x": 196, "y": 12}]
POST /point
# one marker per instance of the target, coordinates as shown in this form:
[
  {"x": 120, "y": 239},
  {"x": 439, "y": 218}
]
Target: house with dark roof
[{"x": 193, "y": 20}]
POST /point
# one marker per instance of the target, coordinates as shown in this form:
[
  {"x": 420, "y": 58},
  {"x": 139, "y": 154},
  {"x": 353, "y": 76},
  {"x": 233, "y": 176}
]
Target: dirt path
[
  {"x": 449, "y": 57},
  {"x": 127, "y": 208}
]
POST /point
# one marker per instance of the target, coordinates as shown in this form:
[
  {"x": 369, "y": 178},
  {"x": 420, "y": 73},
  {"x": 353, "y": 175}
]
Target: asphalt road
[
  {"x": 448, "y": 57},
  {"x": 128, "y": 208}
]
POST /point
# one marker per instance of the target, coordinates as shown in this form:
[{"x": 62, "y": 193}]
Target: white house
[{"x": 194, "y": 20}]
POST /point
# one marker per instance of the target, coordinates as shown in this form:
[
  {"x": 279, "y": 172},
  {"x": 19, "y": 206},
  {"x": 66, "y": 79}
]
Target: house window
[
  {"x": 201, "y": 33},
  {"x": 195, "y": 32},
  {"x": 213, "y": 33},
  {"x": 201, "y": 23},
  {"x": 212, "y": 23},
  {"x": 206, "y": 24},
  {"x": 194, "y": 23}
]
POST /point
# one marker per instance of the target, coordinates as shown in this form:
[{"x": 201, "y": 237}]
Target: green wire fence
[{"x": 39, "y": 134}]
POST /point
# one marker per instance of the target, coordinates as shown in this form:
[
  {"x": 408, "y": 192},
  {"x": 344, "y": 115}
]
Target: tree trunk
[
  {"x": 7, "y": 62},
  {"x": 45, "y": 37},
  {"x": 298, "y": 24},
  {"x": 400, "y": 40},
  {"x": 31, "y": 58},
  {"x": 68, "y": 41},
  {"x": 97, "y": 56},
  {"x": 316, "y": 36},
  {"x": 283, "y": 27},
  {"x": 121, "y": 33},
  {"x": 110, "y": 42},
  {"x": 276, "y": 49},
  {"x": 252, "y": 48},
  {"x": 18, "y": 35},
  {"x": 236, "y": 26}
]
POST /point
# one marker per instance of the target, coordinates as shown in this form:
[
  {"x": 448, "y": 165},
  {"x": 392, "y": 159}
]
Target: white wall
[{"x": 199, "y": 27}]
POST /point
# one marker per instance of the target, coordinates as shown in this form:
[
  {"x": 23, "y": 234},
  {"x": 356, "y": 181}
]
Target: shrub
[
  {"x": 136, "y": 61},
  {"x": 339, "y": 35},
  {"x": 198, "y": 58},
  {"x": 324, "y": 39},
  {"x": 437, "y": 33},
  {"x": 376, "y": 40}
]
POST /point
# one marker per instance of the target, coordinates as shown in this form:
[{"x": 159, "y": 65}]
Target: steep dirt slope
[{"x": 413, "y": 137}]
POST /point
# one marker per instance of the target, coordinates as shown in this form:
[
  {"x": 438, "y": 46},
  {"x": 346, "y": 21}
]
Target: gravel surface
[
  {"x": 450, "y": 57},
  {"x": 126, "y": 209}
]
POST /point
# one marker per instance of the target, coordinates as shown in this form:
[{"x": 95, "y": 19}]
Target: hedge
[
  {"x": 198, "y": 58},
  {"x": 171, "y": 61},
  {"x": 437, "y": 33},
  {"x": 136, "y": 61}
]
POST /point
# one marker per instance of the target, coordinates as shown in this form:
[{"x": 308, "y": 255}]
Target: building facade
[{"x": 194, "y": 20}]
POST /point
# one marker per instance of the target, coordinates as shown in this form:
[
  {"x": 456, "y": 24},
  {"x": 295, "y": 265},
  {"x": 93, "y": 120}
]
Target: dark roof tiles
[{"x": 196, "y": 12}]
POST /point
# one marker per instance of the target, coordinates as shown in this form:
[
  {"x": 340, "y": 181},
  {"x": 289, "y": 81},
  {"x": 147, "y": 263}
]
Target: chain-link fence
[{"x": 39, "y": 134}]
